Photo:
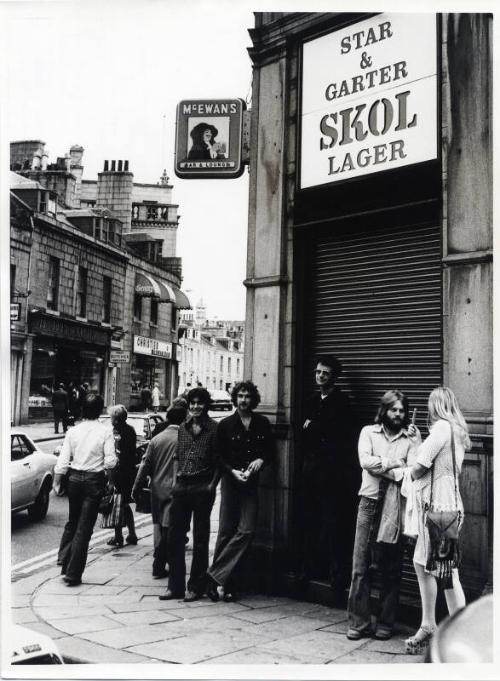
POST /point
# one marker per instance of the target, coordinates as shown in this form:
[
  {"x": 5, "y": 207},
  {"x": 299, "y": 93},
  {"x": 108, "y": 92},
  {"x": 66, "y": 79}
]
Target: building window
[
  {"x": 154, "y": 312},
  {"x": 152, "y": 212},
  {"x": 221, "y": 363},
  {"x": 12, "y": 282},
  {"x": 98, "y": 228},
  {"x": 104, "y": 231},
  {"x": 53, "y": 287},
  {"x": 106, "y": 299},
  {"x": 238, "y": 367},
  {"x": 229, "y": 365},
  {"x": 137, "y": 307},
  {"x": 81, "y": 292}
]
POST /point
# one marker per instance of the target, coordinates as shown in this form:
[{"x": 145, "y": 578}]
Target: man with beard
[
  {"x": 384, "y": 450},
  {"x": 329, "y": 483}
]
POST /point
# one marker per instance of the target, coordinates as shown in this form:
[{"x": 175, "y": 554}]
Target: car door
[{"x": 22, "y": 471}]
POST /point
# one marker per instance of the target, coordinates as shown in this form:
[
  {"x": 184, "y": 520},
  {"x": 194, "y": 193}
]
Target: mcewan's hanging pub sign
[{"x": 369, "y": 98}]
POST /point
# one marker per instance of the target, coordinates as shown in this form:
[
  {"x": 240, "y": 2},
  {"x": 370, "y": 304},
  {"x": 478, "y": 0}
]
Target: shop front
[
  {"x": 151, "y": 363},
  {"x": 64, "y": 351}
]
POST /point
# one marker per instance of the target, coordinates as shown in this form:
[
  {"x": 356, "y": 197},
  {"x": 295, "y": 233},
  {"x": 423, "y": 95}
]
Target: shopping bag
[{"x": 114, "y": 517}]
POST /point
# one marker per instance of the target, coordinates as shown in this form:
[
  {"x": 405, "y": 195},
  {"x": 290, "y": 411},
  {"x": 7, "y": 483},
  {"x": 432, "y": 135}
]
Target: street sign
[
  {"x": 119, "y": 357},
  {"x": 209, "y": 138}
]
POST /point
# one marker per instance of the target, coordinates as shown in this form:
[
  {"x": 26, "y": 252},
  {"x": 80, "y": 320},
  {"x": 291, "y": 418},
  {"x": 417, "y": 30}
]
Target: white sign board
[
  {"x": 151, "y": 346},
  {"x": 119, "y": 357},
  {"x": 369, "y": 98}
]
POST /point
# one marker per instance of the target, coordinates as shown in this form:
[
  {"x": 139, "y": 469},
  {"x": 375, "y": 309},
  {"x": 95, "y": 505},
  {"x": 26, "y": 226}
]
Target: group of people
[
  {"x": 402, "y": 478},
  {"x": 67, "y": 404}
]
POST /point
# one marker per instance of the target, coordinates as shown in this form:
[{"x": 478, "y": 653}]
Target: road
[{"x": 30, "y": 539}]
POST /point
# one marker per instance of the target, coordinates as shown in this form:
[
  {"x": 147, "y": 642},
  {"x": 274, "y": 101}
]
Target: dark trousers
[
  {"x": 190, "y": 500},
  {"x": 368, "y": 559},
  {"x": 237, "y": 523},
  {"x": 60, "y": 417},
  {"x": 161, "y": 552},
  {"x": 327, "y": 520},
  {"x": 85, "y": 491}
]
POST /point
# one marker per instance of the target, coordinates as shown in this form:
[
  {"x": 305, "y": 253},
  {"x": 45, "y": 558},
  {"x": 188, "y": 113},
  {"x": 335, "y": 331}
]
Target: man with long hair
[
  {"x": 244, "y": 444},
  {"x": 193, "y": 496},
  {"x": 384, "y": 449}
]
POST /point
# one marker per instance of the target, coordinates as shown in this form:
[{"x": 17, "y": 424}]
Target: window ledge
[
  {"x": 81, "y": 319},
  {"x": 56, "y": 313}
]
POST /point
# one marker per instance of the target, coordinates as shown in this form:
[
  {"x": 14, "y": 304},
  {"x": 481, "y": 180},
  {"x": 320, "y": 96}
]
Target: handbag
[
  {"x": 106, "y": 503},
  {"x": 143, "y": 500},
  {"x": 114, "y": 517},
  {"x": 443, "y": 528}
]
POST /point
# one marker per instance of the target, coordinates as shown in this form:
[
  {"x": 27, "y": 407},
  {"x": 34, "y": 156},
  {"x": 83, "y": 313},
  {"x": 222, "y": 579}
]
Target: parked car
[
  {"x": 31, "y": 647},
  {"x": 143, "y": 424},
  {"x": 221, "y": 400},
  {"x": 31, "y": 475},
  {"x": 466, "y": 636}
]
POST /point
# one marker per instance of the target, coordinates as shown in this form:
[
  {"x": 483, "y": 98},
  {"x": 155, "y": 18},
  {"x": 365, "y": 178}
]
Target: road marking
[{"x": 43, "y": 559}]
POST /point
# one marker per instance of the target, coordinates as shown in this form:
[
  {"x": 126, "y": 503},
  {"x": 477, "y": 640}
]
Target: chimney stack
[{"x": 106, "y": 166}]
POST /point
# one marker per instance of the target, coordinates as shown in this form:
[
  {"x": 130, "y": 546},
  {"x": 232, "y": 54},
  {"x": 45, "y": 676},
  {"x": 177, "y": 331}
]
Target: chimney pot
[
  {"x": 106, "y": 166},
  {"x": 120, "y": 166},
  {"x": 125, "y": 166},
  {"x": 113, "y": 166}
]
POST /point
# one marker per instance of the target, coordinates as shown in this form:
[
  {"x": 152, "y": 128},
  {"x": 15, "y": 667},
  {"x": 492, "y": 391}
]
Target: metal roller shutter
[{"x": 375, "y": 302}]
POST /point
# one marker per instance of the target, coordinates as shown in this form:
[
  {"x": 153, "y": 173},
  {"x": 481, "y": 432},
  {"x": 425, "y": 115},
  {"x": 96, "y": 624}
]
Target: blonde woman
[{"x": 434, "y": 467}]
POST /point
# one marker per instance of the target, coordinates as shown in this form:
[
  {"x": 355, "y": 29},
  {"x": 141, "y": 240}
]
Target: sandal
[
  {"x": 418, "y": 644},
  {"x": 115, "y": 542}
]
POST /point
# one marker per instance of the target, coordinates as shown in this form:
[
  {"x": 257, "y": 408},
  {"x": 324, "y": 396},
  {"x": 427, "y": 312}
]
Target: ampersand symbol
[{"x": 365, "y": 60}]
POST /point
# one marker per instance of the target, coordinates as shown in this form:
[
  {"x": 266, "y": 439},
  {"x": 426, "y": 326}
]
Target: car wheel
[{"x": 39, "y": 509}]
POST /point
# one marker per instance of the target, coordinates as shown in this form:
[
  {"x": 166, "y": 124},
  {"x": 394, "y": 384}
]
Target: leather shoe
[
  {"x": 169, "y": 596},
  {"x": 72, "y": 582},
  {"x": 356, "y": 634},
  {"x": 230, "y": 597},
  {"x": 192, "y": 596},
  {"x": 160, "y": 574},
  {"x": 211, "y": 591}
]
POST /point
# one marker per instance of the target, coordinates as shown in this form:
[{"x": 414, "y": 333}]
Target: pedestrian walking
[
  {"x": 60, "y": 405},
  {"x": 161, "y": 425},
  {"x": 125, "y": 439},
  {"x": 244, "y": 445},
  {"x": 329, "y": 483},
  {"x": 146, "y": 398},
  {"x": 160, "y": 464},
  {"x": 88, "y": 458},
  {"x": 73, "y": 402},
  {"x": 156, "y": 395},
  {"x": 193, "y": 496},
  {"x": 384, "y": 449},
  {"x": 436, "y": 475}
]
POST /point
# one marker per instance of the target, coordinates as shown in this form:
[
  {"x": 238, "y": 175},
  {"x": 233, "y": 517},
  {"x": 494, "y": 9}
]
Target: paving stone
[
  {"x": 78, "y": 625},
  {"x": 57, "y": 612},
  {"x": 197, "y": 648},
  {"x": 44, "y": 628},
  {"x": 27, "y": 585},
  {"x": 258, "y": 656},
  {"x": 208, "y": 611},
  {"x": 285, "y": 627},
  {"x": 98, "y": 576},
  {"x": 338, "y": 627},
  {"x": 20, "y": 600},
  {"x": 132, "y": 579},
  {"x": 104, "y": 590},
  {"x": 316, "y": 644},
  {"x": 125, "y": 637},
  {"x": 150, "y": 603},
  {"x": 365, "y": 656},
  {"x": 60, "y": 588},
  {"x": 259, "y": 601},
  {"x": 325, "y": 613},
  {"x": 396, "y": 644},
  {"x": 66, "y": 600},
  {"x": 75, "y": 647},
  {"x": 145, "y": 617},
  {"x": 23, "y": 616}
]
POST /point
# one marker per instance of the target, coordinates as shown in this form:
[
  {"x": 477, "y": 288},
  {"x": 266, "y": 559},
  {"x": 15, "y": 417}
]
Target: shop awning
[
  {"x": 181, "y": 299},
  {"x": 147, "y": 286}
]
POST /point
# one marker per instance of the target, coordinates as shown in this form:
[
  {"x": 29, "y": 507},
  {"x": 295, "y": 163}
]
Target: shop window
[
  {"x": 106, "y": 299},
  {"x": 137, "y": 306},
  {"x": 81, "y": 292},
  {"x": 53, "y": 286},
  {"x": 154, "y": 312}
]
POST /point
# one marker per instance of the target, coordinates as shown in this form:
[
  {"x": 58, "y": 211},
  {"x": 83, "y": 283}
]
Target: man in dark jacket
[
  {"x": 244, "y": 444},
  {"x": 330, "y": 479},
  {"x": 60, "y": 405}
]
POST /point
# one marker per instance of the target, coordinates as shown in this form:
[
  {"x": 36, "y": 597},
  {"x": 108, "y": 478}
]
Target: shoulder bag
[{"x": 443, "y": 528}]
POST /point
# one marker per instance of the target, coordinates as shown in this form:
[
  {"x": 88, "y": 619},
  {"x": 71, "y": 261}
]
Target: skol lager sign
[
  {"x": 369, "y": 98},
  {"x": 208, "y": 138}
]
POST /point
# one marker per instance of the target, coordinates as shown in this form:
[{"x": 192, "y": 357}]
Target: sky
[{"x": 108, "y": 76}]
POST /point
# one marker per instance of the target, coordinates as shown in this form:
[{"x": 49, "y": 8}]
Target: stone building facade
[
  {"x": 91, "y": 302},
  {"x": 391, "y": 271}
]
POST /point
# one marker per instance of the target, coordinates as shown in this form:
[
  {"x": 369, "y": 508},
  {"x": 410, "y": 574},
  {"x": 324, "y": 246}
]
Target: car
[
  {"x": 30, "y": 647},
  {"x": 143, "y": 424},
  {"x": 31, "y": 476},
  {"x": 466, "y": 636},
  {"x": 221, "y": 400}
]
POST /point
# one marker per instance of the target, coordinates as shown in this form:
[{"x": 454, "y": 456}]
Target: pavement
[{"x": 115, "y": 616}]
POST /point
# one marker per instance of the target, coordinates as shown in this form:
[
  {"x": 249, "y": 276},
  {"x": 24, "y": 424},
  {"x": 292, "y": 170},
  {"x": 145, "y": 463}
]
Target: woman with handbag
[
  {"x": 439, "y": 511},
  {"x": 125, "y": 443}
]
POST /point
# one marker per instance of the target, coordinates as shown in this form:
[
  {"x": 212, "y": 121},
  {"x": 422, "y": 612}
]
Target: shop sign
[
  {"x": 208, "y": 138},
  {"x": 153, "y": 347},
  {"x": 15, "y": 310},
  {"x": 115, "y": 344},
  {"x": 369, "y": 98},
  {"x": 119, "y": 357},
  {"x": 67, "y": 329}
]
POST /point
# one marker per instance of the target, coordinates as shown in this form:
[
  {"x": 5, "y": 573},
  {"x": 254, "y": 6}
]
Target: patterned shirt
[{"x": 196, "y": 454}]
